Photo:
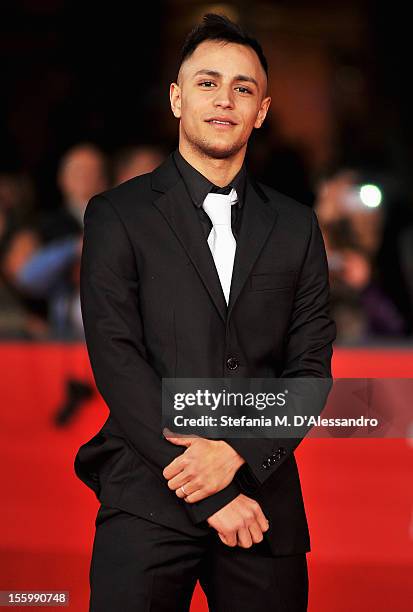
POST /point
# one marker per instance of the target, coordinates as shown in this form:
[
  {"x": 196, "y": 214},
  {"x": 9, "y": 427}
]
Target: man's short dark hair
[{"x": 219, "y": 27}]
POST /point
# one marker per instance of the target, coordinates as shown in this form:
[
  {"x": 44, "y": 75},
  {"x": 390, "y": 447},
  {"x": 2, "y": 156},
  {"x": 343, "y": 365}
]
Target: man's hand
[
  {"x": 206, "y": 467},
  {"x": 241, "y": 522}
]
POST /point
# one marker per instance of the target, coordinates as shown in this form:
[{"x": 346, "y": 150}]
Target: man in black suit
[{"x": 169, "y": 290}]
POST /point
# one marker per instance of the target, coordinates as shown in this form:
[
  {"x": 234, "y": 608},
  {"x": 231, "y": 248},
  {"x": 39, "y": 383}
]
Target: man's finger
[
  {"x": 256, "y": 533},
  {"x": 195, "y": 496},
  {"x": 228, "y": 540},
  {"x": 179, "y": 441},
  {"x": 244, "y": 538},
  {"x": 178, "y": 438},
  {"x": 187, "y": 487},
  {"x": 173, "y": 434},
  {"x": 177, "y": 481},
  {"x": 262, "y": 521},
  {"x": 174, "y": 468}
]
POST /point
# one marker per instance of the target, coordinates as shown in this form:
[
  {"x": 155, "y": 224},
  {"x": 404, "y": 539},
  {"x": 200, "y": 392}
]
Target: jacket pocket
[
  {"x": 272, "y": 281},
  {"x": 102, "y": 459}
]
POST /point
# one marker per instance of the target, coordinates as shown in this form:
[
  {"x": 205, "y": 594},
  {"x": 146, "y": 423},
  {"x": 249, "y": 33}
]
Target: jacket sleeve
[
  {"x": 114, "y": 335},
  {"x": 308, "y": 352}
]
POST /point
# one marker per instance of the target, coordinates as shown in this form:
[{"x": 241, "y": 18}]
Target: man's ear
[
  {"x": 262, "y": 113},
  {"x": 175, "y": 98}
]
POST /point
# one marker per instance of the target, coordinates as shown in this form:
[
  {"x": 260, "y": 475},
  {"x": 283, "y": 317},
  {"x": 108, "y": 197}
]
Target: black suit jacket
[{"x": 153, "y": 307}]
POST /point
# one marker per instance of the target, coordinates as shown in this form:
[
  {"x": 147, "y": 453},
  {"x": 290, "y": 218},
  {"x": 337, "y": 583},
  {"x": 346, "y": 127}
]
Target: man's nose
[{"x": 224, "y": 97}]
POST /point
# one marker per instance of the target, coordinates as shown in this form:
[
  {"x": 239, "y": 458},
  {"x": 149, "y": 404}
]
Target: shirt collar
[{"x": 199, "y": 186}]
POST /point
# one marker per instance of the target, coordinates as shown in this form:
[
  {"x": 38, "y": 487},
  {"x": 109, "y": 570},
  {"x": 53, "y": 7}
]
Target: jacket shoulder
[
  {"x": 287, "y": 205},
  {"x": 136, "y": 190}
]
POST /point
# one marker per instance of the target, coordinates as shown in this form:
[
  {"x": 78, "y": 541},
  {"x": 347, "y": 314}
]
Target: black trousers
[{"x": 139, "y": 566}]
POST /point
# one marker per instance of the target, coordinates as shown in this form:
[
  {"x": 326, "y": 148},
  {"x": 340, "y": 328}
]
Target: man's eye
[
  {"x": 243, "y": 89},
  {"x": 207, "y": 83}
]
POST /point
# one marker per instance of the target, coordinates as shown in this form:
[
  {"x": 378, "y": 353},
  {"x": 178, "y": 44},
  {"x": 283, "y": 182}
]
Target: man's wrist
[{"x": 233, "y": 456}]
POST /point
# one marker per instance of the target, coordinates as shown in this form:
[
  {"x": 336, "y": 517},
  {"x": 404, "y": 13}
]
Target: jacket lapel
[
  {"x": 258, "y": 218},
  {"x": 176, "y": 206}
]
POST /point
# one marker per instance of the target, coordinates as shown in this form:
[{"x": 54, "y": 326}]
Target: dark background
[{"x": 339, "y": 79}]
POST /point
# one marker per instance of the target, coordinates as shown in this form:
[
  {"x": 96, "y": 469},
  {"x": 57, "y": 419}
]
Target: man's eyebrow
[
  {"x": 216, "y": 74},
  {"x": 247, "y": 79},
  {"x": 213, "y": 73}
]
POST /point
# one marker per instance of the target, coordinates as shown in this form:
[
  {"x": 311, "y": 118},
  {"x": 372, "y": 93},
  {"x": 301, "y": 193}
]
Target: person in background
[
  {"x": 135, "y": 160},
  {"x": 52, "y": 270},
  {"x": 21, "y": 315},
  {"x": 352, "y": 234}
]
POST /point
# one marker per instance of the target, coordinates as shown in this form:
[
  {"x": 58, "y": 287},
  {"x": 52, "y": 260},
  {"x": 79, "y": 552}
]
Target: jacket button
[{"x": 232, "y": 363}]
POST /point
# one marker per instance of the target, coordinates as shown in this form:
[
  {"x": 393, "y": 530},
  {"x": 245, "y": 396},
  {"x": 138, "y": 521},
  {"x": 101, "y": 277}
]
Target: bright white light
[{"x": 370, "y": 195}]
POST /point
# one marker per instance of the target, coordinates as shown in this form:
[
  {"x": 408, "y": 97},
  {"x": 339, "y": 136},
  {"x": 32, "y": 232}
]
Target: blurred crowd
[
  {"x": 40, "y": 249},
  {"x": 371, "y": 284}
]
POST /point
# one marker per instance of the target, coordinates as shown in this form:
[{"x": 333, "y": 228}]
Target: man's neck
[{"x": 218, "y": 171}]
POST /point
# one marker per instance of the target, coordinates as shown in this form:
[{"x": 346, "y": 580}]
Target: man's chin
[{"x": 219, "y": 150}]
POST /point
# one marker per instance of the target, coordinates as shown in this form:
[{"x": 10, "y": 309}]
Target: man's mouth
[
  {"x": 222, "y": 125},
  {"x": 219, "y": 121}
]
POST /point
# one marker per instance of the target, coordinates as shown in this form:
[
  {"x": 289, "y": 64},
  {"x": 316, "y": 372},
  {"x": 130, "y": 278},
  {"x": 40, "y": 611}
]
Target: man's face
[{"x": 220, "y": 98}]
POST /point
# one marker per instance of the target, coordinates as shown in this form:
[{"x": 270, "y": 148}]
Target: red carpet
[{"x": 358, "y": 493}]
